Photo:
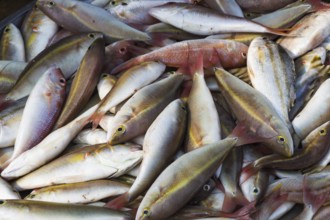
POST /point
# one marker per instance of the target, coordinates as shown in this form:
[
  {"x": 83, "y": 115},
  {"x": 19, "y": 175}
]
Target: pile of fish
[{"x": 166, "y": 109}]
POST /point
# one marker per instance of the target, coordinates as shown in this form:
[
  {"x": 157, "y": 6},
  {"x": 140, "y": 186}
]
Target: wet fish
[
  {"x": 37, "y": 31},
  {"x": 127, "y": 84},
  {"x": 170, "y": 192},
  {"x": 25, "y": 209},
  {"x": 88, "y": 163},
  {"x": 310, "y": 31},
  {"x": 41, "y": 111},
  {"x": 84, "y": 192},
  {"x": 82, "y": 17},
  {"x": 258, "y": 113},
  {"x": 65, "y": 54},
  {"x": 203, "y": 21},
  {"x": 158, "y": 149},
  {"x": 272, "y": 72},
  {"x": 80, "y": 91},
  {"x": 229, "y": 54},
  {"x": 137, "y": 114},
  {"x": 12, "y": 44}
]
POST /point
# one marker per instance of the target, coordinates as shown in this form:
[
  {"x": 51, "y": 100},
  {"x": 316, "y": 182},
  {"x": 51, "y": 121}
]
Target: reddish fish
[{"x": 225, "y": 53}]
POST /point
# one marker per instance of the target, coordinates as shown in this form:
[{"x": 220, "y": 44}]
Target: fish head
[
  {"x": 56, "y": 79},
  {"x": 118, "y": 134},
  {"x": 282, "y": 144}
]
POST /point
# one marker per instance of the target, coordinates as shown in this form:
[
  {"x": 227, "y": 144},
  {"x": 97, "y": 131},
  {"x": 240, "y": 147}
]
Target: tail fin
[
  {"x": 245, "y": 135},
  {"x": 313, "y": 200},
  {"x": 128, "y": 64},
  {"x": 119, "y": 202},
  {"x": 96, "y": 118}
]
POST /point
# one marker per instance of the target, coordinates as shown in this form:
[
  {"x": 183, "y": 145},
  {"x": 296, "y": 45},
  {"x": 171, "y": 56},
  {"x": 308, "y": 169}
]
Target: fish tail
[
  {"x": 245, "y": 135},
  {"x": 126, "y": 65},
  {"x": 119, "y": 202},
  {"x": 96, "y": 118},
  {"x": 242, "y": 213},
  {"x": 247, "y": 172},
  {"x": 282, "y": 32},
  {"x": 313, "y": 199}
]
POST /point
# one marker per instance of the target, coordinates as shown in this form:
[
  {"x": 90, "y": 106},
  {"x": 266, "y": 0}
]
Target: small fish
[
  {"x": 203, "y": 21},
  {"x": 12, "y": 44},
  {"x": 84, "y": 192},
  {"x": 88, "y": 163},
  {"x": 41, "y": 111}
]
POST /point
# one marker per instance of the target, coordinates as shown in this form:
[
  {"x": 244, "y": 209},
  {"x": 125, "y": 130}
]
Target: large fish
[
  {"x": 272, "y": 73},
  {"x": 41, "y": 111},
  {"x": 226, "y": 53},
  {"x": 256, "y": 112},
  {"x": 82, "y": 17},
  {"x": 203, "y": 21}
]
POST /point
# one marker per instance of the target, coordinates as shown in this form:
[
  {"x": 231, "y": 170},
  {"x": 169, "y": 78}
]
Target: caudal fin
[
  {"x": 126, "y": 65},
  {"x": 245, "y": 135},
  {"x": 119, "y": 202},
  {"x": 95, "y": 119}
]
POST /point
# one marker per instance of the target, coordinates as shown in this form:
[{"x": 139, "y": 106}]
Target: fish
[
  {"x": 41, "y": 111},
  {"x": 49, "y": 148},
  {"x": 65, "y": 54},
  {"x": 262, "y": 5},
  {"x": 203, "y": 119},
  {"x": 82, "y": 17},
  {"x": 83, "y": 192},
  {"x": 37, "y": 31},
  {"x": 314, "y": 113},
  {"x": 310, "y": 31},
  {"x": 314, "y": 148},
  {"x": 272, "y": 72},
  {"x": 127, "y": 84},
  {"x": 178, "y": 183},
  {"x": 158, "y": 149},
  {"x": 136, "y": 11},
  {"x": 138, "y": 113},
  {"x": 203, "y": 21},
  {"x": 12, "y": 44},
  {"x": 258, "y": 113},
  {"x": 88, "y": 163},
  {"x": 226, "y": 53},
  {"x": 80, "y": 92},
  {"x": 24, "y": 209}
]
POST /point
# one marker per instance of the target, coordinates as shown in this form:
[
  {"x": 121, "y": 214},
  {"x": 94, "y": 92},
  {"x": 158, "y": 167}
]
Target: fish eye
[
  {"x": 206, "y": 187},
  {"x": 62, "y": 81},
  {"x": 91, "y": 35},
  {"x": 121, "y": 129},
  {"x": 105, "y": 75},
  {"x": 113, "y": 2},
  {"x": 51, "y": 4},
  {"x": 280, "y": 139},
  {"x": 2, "y": 202},
  {"x": 124, "y": 4},
  {"x": 255, "y": 190},
  {"x": 7, "y": 29},
  {"x": 243, "y": 55},
  {"x": 322, "y": 132},
  {"x": 146, "y": 212},
  {"x": 122, "y": 50}
]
